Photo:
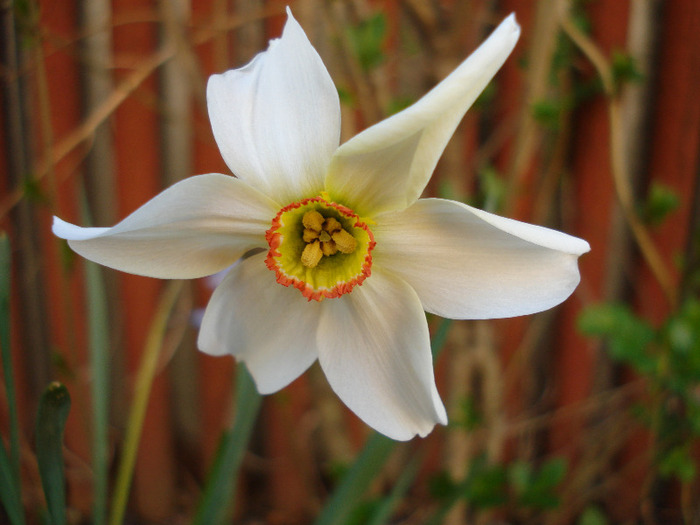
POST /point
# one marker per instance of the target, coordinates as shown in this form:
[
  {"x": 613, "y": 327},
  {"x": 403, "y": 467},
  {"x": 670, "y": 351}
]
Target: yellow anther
[
  {"x": 331, "y": 225},
  {"x": 345, "y": 242},
  {"x": 310, "y": 235},
  {"x": 324, "y": 236},
  {"x": 313, "y": 220},
  {"x": 329, "y": 248},
  {"x": 311, "y": 255}
]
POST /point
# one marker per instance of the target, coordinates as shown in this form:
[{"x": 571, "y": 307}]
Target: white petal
[
  {"x": 268, "y": 326},
  {"x": 387, "y": 166},
  {"x": 466, "y": 263},
  {"x": 375, "y": 350},
  {"x": 194, "y": 228},
  {"x": 277, "y": 120}
]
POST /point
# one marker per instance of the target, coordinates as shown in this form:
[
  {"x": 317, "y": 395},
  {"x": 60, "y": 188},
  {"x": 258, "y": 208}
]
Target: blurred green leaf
[
  {"x": 218, "y": 497},
  {"x": 537, "y": 488},
  {"x": 678, "y": 462},
  {"x": 625, "y": 69},
  {"x": 592, "y": 516},
  {"x": 51, "y": 420},
  {"x": 485, "y": 98},
  {"x": 660, "y": 202},
  {"x": 469, "y": 416},
  {"x": 9, "y": 489},
  {"x": 398, "y": 104},
  {"x": 442, "y": 486},
  {"x": 9, "y": 476},
  {"x": 492, "y": 189},
  {"x": 381, "y": 513},
  {"x": 346, "y": 97},
  {"x": 486, "y": 485},
  {"x": 547, "y": 112},
  {"x": 367, "y": 39},
  {"x": 628, "y": 336}
]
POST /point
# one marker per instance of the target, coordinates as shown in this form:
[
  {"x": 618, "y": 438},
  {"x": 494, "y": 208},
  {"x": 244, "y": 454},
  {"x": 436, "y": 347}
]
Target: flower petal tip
[{"x": 71, "y": 232}]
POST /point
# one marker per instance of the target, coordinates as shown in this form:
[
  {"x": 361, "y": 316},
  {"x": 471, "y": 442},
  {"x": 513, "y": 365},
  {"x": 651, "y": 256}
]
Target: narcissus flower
[{"x": 342, "y": 255}]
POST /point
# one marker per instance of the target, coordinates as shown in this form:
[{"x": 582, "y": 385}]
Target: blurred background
[{"x": 587, "y": 414}]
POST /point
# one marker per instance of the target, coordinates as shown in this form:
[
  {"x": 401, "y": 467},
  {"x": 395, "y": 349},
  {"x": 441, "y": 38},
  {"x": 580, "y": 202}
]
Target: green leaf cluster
[
  {"x": 367, "y": 40},
  {"x": 518, "y": 485},
  {"x": 668, "y": 357}
]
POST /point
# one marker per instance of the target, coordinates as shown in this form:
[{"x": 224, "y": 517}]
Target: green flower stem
[
  {"x": 99, "y": 365},
  {"x": 144, "y": 380}
]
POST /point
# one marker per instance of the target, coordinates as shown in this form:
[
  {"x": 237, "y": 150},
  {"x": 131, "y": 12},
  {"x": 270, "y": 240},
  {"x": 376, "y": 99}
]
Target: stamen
[
  {"x": 345, "y": 242},
  {"x": 319, "y": 247},
  {"x": 310, "y": 235},
  {"x": 331, "y": 225},
  {"x": 313, "y": 220},
  {"x": 311, "y": 255},
  {"x": 329, "y": 248}
]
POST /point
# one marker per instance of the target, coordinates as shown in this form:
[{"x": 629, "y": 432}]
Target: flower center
[{"x": 320, "y": 247}]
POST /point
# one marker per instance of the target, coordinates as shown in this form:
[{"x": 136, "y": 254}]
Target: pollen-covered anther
[
  {"x": 312, "y": 254},
  {"x": 324, "y": 236},
  {"x": 321, "y": 248},
  {"x": 345, "y": 242},
  {"x": 313, "y": 220}
]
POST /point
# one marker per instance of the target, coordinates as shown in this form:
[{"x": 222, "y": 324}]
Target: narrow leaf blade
[{"x": 51, "y": 421}]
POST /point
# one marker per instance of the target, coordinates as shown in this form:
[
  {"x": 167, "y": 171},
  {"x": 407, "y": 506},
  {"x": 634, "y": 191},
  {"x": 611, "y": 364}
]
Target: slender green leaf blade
[
  {"x": 354, "y": 485},
  {"x": 10, "y": 488},
  {"x": 51, "y": 420},
  {"x": 383, "y": 512},
  {"x": 217, "y": 500}
]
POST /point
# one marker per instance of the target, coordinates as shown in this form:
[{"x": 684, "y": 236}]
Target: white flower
[{"x": 351, "y": 256}]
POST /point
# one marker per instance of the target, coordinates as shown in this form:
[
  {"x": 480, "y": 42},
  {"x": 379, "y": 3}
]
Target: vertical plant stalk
[
  {"x": 99, "y": 366},
  {"x": 142, "y": 390},
  {"x": 618, "y": 165},
  {"x": 50, "y": 424},
  {"x": 218, "y": 497},
  {"x": 11, "y": 497}
]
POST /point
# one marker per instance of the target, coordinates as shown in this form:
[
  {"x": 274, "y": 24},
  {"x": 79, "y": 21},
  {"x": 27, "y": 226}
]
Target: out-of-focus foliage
[{"x": 668, "y": 360}]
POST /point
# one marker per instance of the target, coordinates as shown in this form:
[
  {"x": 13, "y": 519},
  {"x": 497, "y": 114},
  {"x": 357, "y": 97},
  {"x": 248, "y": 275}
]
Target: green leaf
[
  {"x": 352, "y": 488},
  {"x": 678, "y": 462},
  {"x": 9, "y": 489},
  {"x": 51, "y": 420},
  {"x": 218, "y": 497},
  {"x": 625, "y": 69},
  {"x": 628, "y": 336},
  {"x": 10, "y": 494},
  {"x": 367, "y": 40},
  {"x": 485, "y": 486},
  {"x": 660, "y": 202},
  {"x": 382, "y": 512},
  {"x": 492, "y": 189},
  {"x": 547, "y": 112},
  {"x": 592, "y": 516},
  {"x": 537, "y": 488}
]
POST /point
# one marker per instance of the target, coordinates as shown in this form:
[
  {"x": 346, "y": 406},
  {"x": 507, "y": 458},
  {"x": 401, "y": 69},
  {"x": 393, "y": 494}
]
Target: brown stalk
[{"x": 618, "y": 163}]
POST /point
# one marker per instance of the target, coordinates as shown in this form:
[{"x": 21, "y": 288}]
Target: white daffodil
[{"x": 351, "y": 257}]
